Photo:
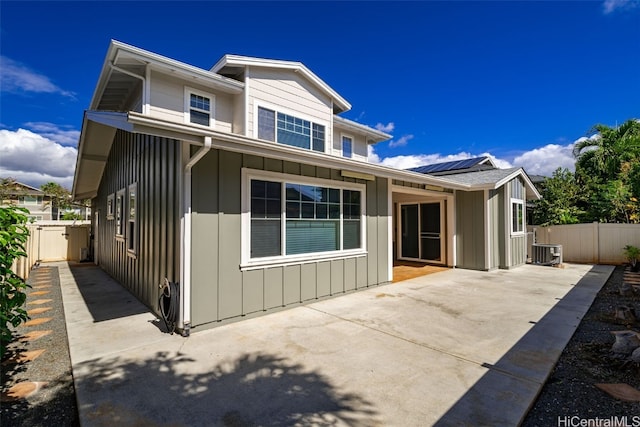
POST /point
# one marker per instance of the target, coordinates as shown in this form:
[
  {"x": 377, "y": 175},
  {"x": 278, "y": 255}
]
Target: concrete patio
[{"x": 458, "y": 347}]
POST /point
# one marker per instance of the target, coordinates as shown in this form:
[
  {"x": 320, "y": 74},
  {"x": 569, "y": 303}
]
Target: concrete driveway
[{"x": 453, "y": 348}]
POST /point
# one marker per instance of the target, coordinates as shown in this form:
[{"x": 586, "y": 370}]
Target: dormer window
[
  {"x": 198, "y": 108},
  {"x": 290, "y": 130}
]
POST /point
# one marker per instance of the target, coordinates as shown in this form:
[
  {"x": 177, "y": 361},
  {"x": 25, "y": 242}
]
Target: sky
[{"x": 518, "y": 81}]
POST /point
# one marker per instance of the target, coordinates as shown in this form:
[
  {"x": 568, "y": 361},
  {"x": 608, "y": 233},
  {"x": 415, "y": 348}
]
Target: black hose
[{"x": 169, "y": 303}]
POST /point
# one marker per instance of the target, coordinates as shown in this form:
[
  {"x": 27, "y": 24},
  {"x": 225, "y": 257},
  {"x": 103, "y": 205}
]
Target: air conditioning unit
[{"x": 546, "y": 254}]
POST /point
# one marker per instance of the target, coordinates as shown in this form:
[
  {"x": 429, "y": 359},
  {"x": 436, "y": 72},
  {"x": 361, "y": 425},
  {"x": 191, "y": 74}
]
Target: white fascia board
[
  {"x": 81, "y": 144},
  {"x": 371, "y": 132},
  {"x": 243, "y": 144},
  {"x": 117, "y": 48},
  {"x": 248, "y": 61}
]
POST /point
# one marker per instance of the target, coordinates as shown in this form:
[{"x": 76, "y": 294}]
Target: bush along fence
[{"x": 13, "y": 237}]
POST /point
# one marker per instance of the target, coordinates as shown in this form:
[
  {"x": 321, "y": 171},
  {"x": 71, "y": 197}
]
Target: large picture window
[
  {"x": 289, "y": 218},
  {"x": 290, "y": 130}
]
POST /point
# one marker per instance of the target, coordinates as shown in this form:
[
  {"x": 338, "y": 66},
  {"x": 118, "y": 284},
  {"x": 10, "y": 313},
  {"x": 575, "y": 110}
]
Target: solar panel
[{"x": 449, "y": 166}]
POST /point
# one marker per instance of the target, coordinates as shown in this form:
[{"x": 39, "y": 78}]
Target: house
[
  {"x": 24, "y": 196},
  {"x": 245, "y": 185}
]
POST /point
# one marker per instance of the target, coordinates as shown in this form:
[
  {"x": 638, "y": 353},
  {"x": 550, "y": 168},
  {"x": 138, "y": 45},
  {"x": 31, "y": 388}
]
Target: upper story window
[
  {"x": 198, "y": 108},
  {"x": 30, "y": 200},
  {"x": 290, "y": 130},
  {"x": 347, "y": 146}
]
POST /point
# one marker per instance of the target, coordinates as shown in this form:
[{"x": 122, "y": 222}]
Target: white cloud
[
  {"x": 610, "y": 6},
  {"x": 63, "y": 135},
  {"x": 545, "y": 160},
  {"x": 18, "y": 78},
  {"x": 385, "y": 128},
  {"x": 400, "y": 142},
  {"x": 34, "y": 159}
]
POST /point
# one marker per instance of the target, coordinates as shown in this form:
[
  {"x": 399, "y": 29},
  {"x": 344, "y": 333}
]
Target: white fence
[
  {"x": 54, "y": 241},
  {"x": 594, "y": 243}
]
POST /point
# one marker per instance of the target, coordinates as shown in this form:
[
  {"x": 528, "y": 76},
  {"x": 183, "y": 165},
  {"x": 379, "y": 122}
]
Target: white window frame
[
  {"x": 119, "y": 215},
  {"x": 188, "y": 91},
  {"x": 245, "y": 233},
  {"x": 132, "y": 233},
  {"x": 524, "y": 219},
  {"x": 277, "y": 109},
  {"x": 352, "y": 139},
  {"x": 111, "y": 200}
]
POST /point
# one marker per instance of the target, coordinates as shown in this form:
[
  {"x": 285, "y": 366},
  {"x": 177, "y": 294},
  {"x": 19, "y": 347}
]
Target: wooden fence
[
  {"x": 54, "y": 241},
  {"x": 594, "y": 243}
]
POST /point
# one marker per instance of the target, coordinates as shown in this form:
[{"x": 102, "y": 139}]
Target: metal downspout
[{"x": 185, "y": 262}]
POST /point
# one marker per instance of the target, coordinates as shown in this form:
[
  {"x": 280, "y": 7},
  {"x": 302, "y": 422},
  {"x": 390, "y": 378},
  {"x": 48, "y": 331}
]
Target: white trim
[
  {"x": 111, "y": 209},
  {"x": 146, "y": 91},
  {"x": 188, "y": 91},
  {"x": 245, "y": 228},
  {"x": 132, "y": 240},
  {"x": 120, "y": 195},
  {"x": 487, "y": 232},
  {"x": 247, "y": 98},
  {"x": 390, "y": 229},
  {"x": 451, "y": 231},
  {"x": 350, "y": 137},
  {"x": 524, "y": 221}
]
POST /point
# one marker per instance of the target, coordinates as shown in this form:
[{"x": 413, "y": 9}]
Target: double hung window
[
  {"x": 290, "y": 130},
  {"x": 291, "y": 218},
  {"x": 198, "y": 108}
]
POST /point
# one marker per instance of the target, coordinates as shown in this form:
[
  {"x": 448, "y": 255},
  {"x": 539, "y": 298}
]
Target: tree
[
  {"x": 608, "y": 172},
  {"x": 560, "y": 194},
  {"x": 60, "y": 196}
]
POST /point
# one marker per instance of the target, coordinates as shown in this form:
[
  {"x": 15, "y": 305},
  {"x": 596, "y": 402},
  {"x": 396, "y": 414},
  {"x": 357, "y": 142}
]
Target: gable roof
[
  {"x": 455, "y": 165},
  {"x": 229, "y": 62},
  {"x": 494, "y": 178},
  {"x": 125, "y": 67},
  {"x": 373, "y": 135},
  {"x": 21, "y": 189}
]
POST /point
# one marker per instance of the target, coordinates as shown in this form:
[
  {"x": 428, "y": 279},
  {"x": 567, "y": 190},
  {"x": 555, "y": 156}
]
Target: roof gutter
[{"x": 184, "y": 322}]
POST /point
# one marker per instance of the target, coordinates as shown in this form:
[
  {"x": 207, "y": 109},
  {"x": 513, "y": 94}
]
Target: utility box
[{"x": 546, "y": 254}]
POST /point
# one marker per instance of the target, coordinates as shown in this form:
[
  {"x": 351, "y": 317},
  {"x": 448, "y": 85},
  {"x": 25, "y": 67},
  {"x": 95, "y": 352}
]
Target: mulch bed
[{"x": 587, "y": 360}]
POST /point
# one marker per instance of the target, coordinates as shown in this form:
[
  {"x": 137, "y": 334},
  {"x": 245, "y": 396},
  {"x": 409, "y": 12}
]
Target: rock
[{"x": 626, "y": 342}]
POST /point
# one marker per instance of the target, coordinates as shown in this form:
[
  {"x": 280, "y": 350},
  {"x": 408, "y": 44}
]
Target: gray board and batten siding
[
  {"x": 518, "y": 242},
  {"x": 222, "y": 290},
  {"x": 470, "y": 239},
  {"x": 152, "y": 164}
]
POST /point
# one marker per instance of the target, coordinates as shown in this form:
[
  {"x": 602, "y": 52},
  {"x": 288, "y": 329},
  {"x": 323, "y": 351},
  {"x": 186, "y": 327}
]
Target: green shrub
[{"x": 13, "y": 236}]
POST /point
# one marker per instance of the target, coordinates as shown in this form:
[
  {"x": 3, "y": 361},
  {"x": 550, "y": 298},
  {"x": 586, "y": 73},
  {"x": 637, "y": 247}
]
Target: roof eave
[
  {"x": 238, "y": 60},
  {"x": 375, "y": 135}
]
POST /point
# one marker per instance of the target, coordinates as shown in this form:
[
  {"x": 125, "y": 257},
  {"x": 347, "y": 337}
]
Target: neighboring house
[
  {"x": 245, "y": 185},
  {"x": 31, "y": 198}
]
